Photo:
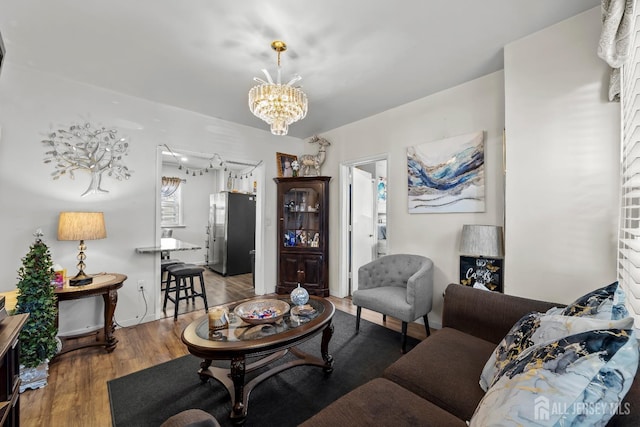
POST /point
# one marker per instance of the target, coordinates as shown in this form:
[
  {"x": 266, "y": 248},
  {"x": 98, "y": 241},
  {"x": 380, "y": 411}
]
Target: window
[
  {"x": 171, "y": 209},
  {"x": 629, "y": 227}
]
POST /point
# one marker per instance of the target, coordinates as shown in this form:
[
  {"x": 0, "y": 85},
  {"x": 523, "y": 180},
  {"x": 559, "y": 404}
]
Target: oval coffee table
[{"x": 268, "y": 341}]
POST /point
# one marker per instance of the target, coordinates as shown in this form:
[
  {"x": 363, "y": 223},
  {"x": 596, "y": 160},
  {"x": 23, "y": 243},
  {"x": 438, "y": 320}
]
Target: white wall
[
  {"x": 562, "y": 163},
  {"x": 473, "y": 106},
  {"x": 31, "y": 102}
]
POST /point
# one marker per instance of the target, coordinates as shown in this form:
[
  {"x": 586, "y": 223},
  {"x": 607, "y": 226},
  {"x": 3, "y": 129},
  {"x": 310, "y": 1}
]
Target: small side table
[{"x": 106, "y": 285}]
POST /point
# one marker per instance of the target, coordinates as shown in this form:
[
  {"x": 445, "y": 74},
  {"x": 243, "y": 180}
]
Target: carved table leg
[
  {"x": 327, "y": 333},
  {"x": 239, "y": 411},
  {"x": 204, "y": 365},
  {"x": 110, "y": 301}
]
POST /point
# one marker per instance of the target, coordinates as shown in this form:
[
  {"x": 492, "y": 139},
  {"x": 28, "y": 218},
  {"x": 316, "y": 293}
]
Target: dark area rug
[{"x": 150, "y": 396}]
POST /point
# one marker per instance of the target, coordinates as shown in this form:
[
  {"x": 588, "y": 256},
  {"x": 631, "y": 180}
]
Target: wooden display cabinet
[
  {"x": 10, "y": 328},
  {"x": 303, "y": 234}
]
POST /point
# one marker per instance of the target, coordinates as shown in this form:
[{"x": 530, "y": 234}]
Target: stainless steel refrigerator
[{"x": 231, "y": 232}]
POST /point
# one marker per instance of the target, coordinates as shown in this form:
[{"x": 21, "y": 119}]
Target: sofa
[{"x": 437, "y": 382}]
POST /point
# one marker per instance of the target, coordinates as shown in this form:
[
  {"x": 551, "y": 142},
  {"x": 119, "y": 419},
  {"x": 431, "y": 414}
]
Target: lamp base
[{"x": 80, "y": 279}]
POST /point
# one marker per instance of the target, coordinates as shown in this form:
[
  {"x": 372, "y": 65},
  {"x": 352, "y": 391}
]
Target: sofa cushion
[
  {"x": 579, "y": 379},
  {"x": 539, "y": 328},
  {"x": 444, "y": 369},
  {"x": 382, "y": 403}
]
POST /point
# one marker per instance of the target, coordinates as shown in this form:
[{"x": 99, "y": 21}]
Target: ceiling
[{"x": 357, "y": 57}]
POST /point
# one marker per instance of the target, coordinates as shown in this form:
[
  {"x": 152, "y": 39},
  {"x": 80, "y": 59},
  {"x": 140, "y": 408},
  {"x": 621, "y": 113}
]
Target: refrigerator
[{"x": 231, "y": 232}]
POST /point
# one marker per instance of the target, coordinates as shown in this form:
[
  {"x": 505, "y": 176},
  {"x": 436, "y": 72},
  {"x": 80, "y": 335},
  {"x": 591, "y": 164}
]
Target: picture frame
[{"x": 283, "y": 161}]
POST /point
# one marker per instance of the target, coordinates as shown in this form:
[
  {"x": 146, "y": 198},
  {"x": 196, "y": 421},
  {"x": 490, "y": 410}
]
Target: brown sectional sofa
[{"x": 436, "y": 383}]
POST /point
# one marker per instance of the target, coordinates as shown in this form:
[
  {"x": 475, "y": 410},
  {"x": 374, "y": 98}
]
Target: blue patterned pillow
[
  {"x": 580, "y": 379},
  {"x": 603, "y": 303},
  {"x": 540, "y": 328}
]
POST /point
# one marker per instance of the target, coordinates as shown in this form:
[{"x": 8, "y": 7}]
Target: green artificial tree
[{"x": 36, "y": 296}]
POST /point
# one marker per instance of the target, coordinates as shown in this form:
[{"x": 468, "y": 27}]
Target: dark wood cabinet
[
  {"x": 303, "y": 234},
  {"x": 10, "y": 328}
]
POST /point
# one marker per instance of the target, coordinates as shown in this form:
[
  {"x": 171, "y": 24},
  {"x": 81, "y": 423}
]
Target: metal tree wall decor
[{"x": 85, "y": 148}]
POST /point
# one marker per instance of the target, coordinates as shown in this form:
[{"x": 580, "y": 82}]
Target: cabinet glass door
[{"x": 301, "y": 218}]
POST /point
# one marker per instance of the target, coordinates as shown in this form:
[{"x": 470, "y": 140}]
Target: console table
[{"x": 106, "y": 285}]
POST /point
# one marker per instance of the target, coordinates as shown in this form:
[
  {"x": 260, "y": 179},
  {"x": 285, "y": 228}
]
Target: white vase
[{"x": 34, "y": 378}]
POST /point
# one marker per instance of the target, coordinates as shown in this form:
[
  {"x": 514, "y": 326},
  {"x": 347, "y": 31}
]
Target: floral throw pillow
[
  {"x": 602, "y": 308},
  {"x": 580, "y": 379},
  {"x": 539, "y": 328},
  {"x": 603, "y": 303}
]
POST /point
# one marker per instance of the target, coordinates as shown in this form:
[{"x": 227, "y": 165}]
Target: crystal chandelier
[{"x": 278, "y": 104}]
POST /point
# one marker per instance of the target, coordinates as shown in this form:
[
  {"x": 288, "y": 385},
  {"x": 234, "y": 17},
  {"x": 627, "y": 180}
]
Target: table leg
[
  {"x": 239, "y": 411},
  {"x": 110, "y": 301},
  {"x": 327, "y": 333}
]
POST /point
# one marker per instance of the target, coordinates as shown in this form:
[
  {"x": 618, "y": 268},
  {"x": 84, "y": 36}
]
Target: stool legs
[{"x": 177, "y": 282}]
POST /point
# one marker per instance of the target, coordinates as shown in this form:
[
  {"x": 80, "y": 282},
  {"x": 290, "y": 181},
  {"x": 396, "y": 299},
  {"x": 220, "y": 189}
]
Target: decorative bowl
[{"x": 260, "y": 311}]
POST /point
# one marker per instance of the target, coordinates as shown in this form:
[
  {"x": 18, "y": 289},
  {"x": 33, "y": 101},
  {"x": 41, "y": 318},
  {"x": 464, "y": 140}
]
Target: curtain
[
  {"x": 613, "y": 47},
  {"x": 169, "y": 185}
]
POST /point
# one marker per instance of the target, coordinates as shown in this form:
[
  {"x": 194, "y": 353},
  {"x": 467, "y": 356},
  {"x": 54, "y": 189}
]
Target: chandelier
[{"x": 278, "y": 104}]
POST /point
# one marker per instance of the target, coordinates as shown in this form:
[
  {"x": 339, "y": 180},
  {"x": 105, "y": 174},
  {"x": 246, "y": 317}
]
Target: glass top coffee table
[{"x": 267, "y": 341}]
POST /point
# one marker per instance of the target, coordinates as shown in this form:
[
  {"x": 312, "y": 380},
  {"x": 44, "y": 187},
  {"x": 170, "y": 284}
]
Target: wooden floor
[{"x": 76, "y": 394}]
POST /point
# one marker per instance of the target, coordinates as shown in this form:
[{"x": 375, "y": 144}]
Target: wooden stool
[
  {"x": 164, "y": 275},
  {"x": 178, "y": 274}
]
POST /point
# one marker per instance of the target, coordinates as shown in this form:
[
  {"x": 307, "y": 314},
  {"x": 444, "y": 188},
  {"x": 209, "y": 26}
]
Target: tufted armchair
[{"x": 399, "y": 285}]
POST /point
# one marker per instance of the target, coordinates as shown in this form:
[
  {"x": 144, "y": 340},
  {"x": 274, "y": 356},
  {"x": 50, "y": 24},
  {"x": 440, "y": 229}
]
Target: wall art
[
  {"x": 83, "y": 147},
  {"x": 284, "y": 162},
  {"x": 447, "y": 175}
]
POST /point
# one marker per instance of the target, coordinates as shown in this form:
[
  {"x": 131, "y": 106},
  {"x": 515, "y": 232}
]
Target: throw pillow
[
  {"x": 579, "y": 379},
  {"x": 539, "y": 328},
  {"x": 603, "y": 303}
]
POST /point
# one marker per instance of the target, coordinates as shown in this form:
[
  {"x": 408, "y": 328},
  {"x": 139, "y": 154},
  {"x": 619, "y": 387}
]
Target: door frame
[{"x": 345, "y": 200}]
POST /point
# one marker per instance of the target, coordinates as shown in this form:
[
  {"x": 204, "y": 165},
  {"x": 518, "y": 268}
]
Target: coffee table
[{"x": 269, "y": 342}]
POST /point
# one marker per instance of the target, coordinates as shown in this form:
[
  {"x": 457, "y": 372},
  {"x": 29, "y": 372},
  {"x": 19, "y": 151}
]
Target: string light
[{"x": 216, "y": 158}]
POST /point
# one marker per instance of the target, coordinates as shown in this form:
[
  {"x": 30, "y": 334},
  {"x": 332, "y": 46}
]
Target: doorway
[
  {"x": 364, "y": 234},
  {"x": 234, "y": 176}
]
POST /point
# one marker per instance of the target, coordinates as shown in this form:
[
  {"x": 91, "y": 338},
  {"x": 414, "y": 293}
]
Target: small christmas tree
[{"x": 36, "y": 297}]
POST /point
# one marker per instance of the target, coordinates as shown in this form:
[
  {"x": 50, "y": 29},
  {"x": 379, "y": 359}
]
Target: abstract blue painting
[{"x": 447, "y": 175}]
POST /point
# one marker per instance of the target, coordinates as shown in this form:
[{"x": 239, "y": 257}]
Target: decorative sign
[{"x": 481, "y": 273}]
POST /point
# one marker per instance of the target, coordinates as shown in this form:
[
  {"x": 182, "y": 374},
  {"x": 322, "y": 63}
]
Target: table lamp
[
  {"x": 482, "y": 242},
  {"x": 81, "y": 226}
]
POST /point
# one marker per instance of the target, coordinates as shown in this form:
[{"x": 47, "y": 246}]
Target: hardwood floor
[{"x": 76, "y": 394}]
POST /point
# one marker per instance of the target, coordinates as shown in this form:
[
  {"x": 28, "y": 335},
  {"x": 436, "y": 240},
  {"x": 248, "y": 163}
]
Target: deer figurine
[{"x": 307, "y": 161}]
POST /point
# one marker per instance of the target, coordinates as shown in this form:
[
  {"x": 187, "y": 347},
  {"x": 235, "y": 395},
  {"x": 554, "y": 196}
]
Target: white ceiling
[{"x": 357, "y": 57}]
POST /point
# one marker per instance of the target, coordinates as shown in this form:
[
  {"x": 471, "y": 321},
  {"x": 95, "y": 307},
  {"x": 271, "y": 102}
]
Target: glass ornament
[{"x": 299, "y": 296}]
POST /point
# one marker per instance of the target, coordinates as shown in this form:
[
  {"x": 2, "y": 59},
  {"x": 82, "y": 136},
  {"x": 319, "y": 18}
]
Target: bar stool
[
  {"x": 178, "y": 274},
  {"x": 164, "y": 275}
]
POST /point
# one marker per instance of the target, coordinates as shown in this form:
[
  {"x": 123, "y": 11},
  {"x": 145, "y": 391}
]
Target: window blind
[{"x": 629, "y": 227}]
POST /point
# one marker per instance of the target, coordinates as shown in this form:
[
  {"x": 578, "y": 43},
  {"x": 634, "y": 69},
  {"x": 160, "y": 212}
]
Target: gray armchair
[{"x": 398, "y": 285}]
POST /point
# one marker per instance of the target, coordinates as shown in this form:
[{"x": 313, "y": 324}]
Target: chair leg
[
  {"x": 404, "y": 338},
  {"x": 166, "y": 292},
  {"x": 358, "y": 314},
  {"x": 193, "y": 291},
  {"x": 179, "y": 283},
  {"x": 426, "y": 324},
  {"x": 384, "y": 317},
  {"x": 204, "y": 293}
]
